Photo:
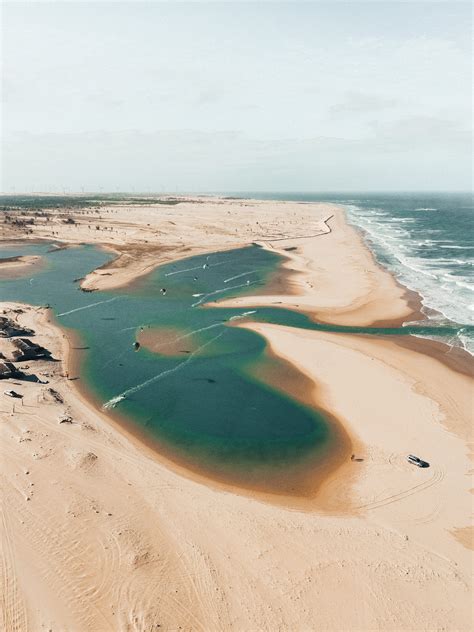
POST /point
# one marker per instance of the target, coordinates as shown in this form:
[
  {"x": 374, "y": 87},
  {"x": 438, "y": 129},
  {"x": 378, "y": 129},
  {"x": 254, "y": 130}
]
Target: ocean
[{"x": 425, "y": 239}]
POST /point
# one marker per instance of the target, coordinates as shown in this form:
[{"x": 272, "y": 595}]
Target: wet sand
[{"x": 166, "y": 341}]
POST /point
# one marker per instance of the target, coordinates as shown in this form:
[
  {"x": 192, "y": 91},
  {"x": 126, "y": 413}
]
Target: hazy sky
[{"x": 234, "y": 96}]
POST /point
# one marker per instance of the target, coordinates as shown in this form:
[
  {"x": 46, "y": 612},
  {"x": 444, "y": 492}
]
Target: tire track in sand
[
  {"x": 435, "y": 479},
  {"x": 13, "y": 615}
]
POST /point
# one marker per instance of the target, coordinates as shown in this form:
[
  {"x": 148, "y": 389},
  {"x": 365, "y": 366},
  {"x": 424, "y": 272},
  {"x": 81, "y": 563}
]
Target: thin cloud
[{"x": 358, "y": 102}]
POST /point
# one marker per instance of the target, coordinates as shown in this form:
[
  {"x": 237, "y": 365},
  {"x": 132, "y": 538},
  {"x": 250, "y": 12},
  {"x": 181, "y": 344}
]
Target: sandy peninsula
[
  {"x": 14, "y": 267},
  {"x": 99, "y": 533}
]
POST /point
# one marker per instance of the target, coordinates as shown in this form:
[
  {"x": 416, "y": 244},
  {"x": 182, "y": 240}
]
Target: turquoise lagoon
[{"x": 205, "y": 406}]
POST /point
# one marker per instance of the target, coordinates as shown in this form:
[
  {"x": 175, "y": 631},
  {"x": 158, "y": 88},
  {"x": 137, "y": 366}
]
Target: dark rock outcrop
[
  {"x": 25, "y": 349},
  {"x": 9, "y": 328}
]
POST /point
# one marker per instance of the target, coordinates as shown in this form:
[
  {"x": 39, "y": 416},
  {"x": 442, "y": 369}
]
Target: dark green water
[{"x": 204, "y": 406}]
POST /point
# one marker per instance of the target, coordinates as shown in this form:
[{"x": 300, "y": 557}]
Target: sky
[{"x": 233, "y": 96}]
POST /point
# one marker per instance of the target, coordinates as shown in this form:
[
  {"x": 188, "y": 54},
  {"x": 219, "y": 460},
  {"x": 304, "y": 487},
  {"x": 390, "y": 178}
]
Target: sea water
[{"x": 425, "y": 240}]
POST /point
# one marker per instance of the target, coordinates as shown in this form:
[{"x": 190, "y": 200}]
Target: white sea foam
[
  {"x": 443, "y": 282},
  {"x": 468, "y": 286},
  {"x": 400, "y": 220},
  {"x": 454, "y": 247}
]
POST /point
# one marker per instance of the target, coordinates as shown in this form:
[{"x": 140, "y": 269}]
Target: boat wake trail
[
  {"x": 130, "y": 328},
  {"x": 79, "y": 309},
  {"x": 203, "y": 267},
  {"x": 130, "y": 391},
  {"x": 190, "y": 333},
  {"x": 197, "y": 331},
  {"x": 185, "y": 270},
  {"x": 225, "y": 289},
  {"x": 134, "y": 389},
  {"x": 237, "y": 276},
  {"x": 238, "y": 316}
]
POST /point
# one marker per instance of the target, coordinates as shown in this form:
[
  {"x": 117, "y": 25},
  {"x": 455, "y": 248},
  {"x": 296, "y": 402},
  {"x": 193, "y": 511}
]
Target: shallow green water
[{"x": 203, "y": 405}]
